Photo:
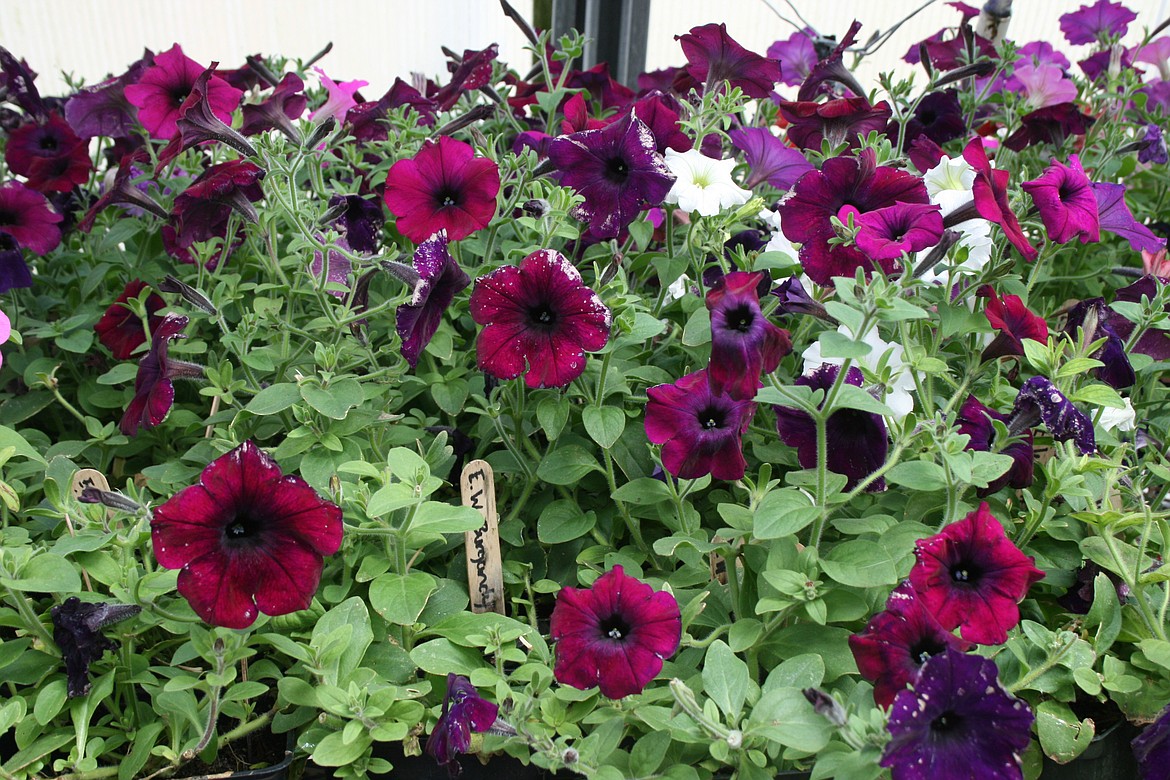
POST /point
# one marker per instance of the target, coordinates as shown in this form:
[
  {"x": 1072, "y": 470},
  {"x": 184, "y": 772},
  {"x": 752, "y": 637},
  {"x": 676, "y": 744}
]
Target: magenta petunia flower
[
  {"x": 744, "y": 344},
  {"x": 856, "y": 439},
  {"x": 839, "y": 121},
  {"x": 441, "y": 279},
  {"x": 797, "y": 56},
  {"x": 769, "y": 159},
  {"x": 700, "y": 429},
  {"x": 539, "y": 321},
  {"x": 1114, "y": 215},
  {"x": 464, "y": 712},
  {"x": 897, "y": 642},
  {"x": 1048, "y": 125},
  {"x": 27, "y": 221},
  {"x": 278, "y": 110},
  {"x": 991, "y": 198},
  {"x": 443, "y": 187},
  {"x": 77, "y": 632},
  {"x": 890, "y": 232},
  {"x": 49, "y": 154},
  {"x": 1043, "y": 85},
  {"x": 806, "y": 217},
  {"x": 246, "y": 538},
  {"x": 198, "y": 122},
  {"x": 339, "y": 97},
  {"x": 119, "y": 330},
  {"x": 713, "y": 57},
  {"x": 1068, "y": 207},
  {"x": 975, "y": 420},
  {"x": 614, "y": 635},
  {"x": 1151, "y": 748},
  {"x": 957, "y": 722},
  {"x": 201, "y": 211},
  {"x": 1015, "y": 322},
  {"x": 1117, "y": 372},
  {"x": 1040, "y": 401},
  {"x": 971, "y": 577},
  {"x": 154, "y": 394},
  {"x": 617, "y": 169},
  {"x": 1090, "y": 23},
  {"x": 163, "y": 87}
]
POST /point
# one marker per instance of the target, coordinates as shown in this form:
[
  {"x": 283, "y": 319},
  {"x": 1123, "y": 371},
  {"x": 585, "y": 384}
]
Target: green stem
[{"x": 31, "y": 622}]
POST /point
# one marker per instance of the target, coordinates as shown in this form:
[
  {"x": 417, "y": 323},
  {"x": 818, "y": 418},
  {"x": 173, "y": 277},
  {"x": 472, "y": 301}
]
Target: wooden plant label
[
  {"x": 485, "y": 576},
  {"x": 88, "y": 478}
]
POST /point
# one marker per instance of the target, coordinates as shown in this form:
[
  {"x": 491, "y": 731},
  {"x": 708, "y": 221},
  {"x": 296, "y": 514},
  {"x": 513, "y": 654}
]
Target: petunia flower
[
  {"x": 1049, "y": 125},
  {"x": 103, "y": 110},
  {"x": 661, "y": 112},
  {"x": 1015, "y": 322},
  {"x": 700, "y": 429},
  {"x": 1114, "y": 215},
  {"x": 768, "y": 158},
  {"x": 991, "y": 199},
  {"x": 1040, "y": 401},
  {"x": 27, "y": 221},
  {"x": 247, "y": 538},
  {"x": 856, "y": 439},
  {"x": 119, "y": 330},
  {"x": 278, "y": 110},
  {"x": 472, "y": 71},
  {"x": 165, "y": 85},
  {"x": 839, "y": 121},
  {"x": 198, "y": 122},
  {"x": 618, "y": 171},
  {"x": 77, "y": 631},
  {"x": 1156, "y": 52},
  {"x": 464, "y": 712},
  {"x": 1068, "y": 207},
  {"x": 890, "y": 232},
  {"x": 896, "y": 643},
  {"x": 154, "y": 394},
  {"x": 899, "y": 380},
  {"x": 832, "y": 68},
  {"x": 970, "y": 576},
  {"x": 441, "y": 280},
  {"x": 975, "y": 421},
  {"x": 359, "y": 219},
  {"x": 5, "y": 332},
  {"x": 702, "y": 184},
  {"x": 1151, "y": 748},
  {"x": 49, "y": 154},
  {"x": 713, "y": 57},
  {"x": 613, "y": 635},
  {"x": 1091, "y": 23},
  {"x": 339, "y": 97},
  {"x": 1044, "y": 85},
  {"x": 123, "y": 191},
  {"x": 539, "y": 320},
  {"x": 797, "y": 56},
  {"x": 443, "y": 187},
  {"x": 1154, "y": 342},
  {"x": 938, "y": 116},
  {"x": 201, "y": 212},
  {"x": 1123, "y": 419},
  {"x": 1117, "y": 372},
  {"x": 744, "y": 344},
  {"x": 338, "y": 270},
  {"x": 794, "y": 299},
  {"x": 958, "y": 721},
  {"x": 1154, "y": 151}
]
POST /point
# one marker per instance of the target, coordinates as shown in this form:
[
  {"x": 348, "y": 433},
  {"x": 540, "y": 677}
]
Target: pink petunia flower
[
  {"x": 163, "y": 87},
  {"x": 339, "y": 97},
  {"x": 1068, "y": 207}
]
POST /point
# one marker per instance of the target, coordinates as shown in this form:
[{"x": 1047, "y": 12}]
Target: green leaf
[
  {"x": 333, "y": 401},
  {"x": 562, "y": 521},
  {"x": 433, "y": 517},
  {"x": 46, "y": 573},
  {"x": 1098, "y": 395},
  {"x": 604, "y": 424},
  {"x": 296, "y": 691},
  {"x": 921, "y": 475},
  {"x": 400, "y": 598},
  {"x": 353, "y": 613},
  {"x": 566, "y": 465},
  {"x": 333, "y": 750},
  {"x": 783, "y": 715},
  {"x": 643, "y": 491},
  {"x": 838, "y": 345},
  {"x": 802, "y": 671},
  {"x": 144, "y": 741},
  {"x": 725, "y": 680},
  {"x": 744, "y": 633},
  {"x": 450, "y": 395},
  {"x": 854, "y": 397},
  {"x": 862, "y": 564},
  {"x": 10, "y": 438},
  {"x": 1157, "y": 651},
  {"x": 552, "y": 414},
  {"x": 50, "y": 700},
  {"x": 1062, "y": 736},
  {"x": 783, "y": 512},
  {"x": 441, "y": 656},
  {"x": 1105, "y": 613},
  {"x": 697, "y": 331},
  {"x": 119, "y": 374},
  {"x": 274, "y": 398}
]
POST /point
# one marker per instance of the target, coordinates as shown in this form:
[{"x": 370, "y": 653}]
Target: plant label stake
[
  {"x": 485, "y": 577},
  {"x": 89, "y": 478}
]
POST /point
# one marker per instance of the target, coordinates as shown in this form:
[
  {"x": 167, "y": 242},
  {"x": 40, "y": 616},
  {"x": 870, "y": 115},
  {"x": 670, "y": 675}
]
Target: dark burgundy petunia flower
[
  {"x": 1015, "y": 322},
  {"x": 201, "y": 212},
  {"x": 832, "y": 68},
  {"x": 1117, "y": 372},
  {"x": 1040, "y": 401},
  {"x": 744, "y": 344},
  {"x": 971, "y": 577},
  {"x": 472, "y": 71},
  {"x": 1155, "y": 343},
  {"x": 939, "y": 117},
  {"x": 614, "y": 635},
  {"x": 1151, "y": 748},
  {"x": 366, "y": 120},
  {"x": 539, "y": 321},
  {"x": 769, "y": 159},
  {"x": 154, "y": 394},
  {"x": 897, "y": 642},
  {"x": 660, "y": 112},
  {"x": 838, "y": 121},
  {"x": 119, "y": 330},
  {"x": 991, "y": 198},
  {"x": 16, "y": 78},
  {"x": 957, "y": 722},
  {"x": 160, "y": 92},
  {"x": 856, "y": 440},
  {"x": 797, "y": 56},
  {"x": 617, "y": 169},
  {"x": 27, "y": 221},
  {"x": 714, "y": 57},
  {"x": 464, "y": 712},
  {"x": 198, "y": 122},
  {"x": 123, "y": 191},
  {"x": 441, "y": 280},
  {"x": 924, "y": 153},
  {"x": 1068, "y": 207},
  {"x": 577, "y": 117},
  {"x": 49, "y": 154},
  {"x": 700, "y": 430},
  {"x": 806, "y": 217},
  {"x": 1090, "y": 23},
  {"x": 974, "y": 420},
  {"x": 103, "y": 110},
  {"x": 890, "y": 232},
  {"x": 443, "y": 187},
  {"x": 247, "y": 537},
  {"x": 359, "y": 219},
  {"x": 1115, "y": 216},
  {"x": 279, "y": 110},
  {"x": 601, "y": 85},
  {"x": 1049, "y": 125},
  {"x": 77, "y": 630}
]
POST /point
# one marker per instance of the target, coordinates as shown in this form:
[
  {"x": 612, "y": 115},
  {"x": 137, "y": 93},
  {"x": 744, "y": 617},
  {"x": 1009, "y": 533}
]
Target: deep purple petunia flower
[
  {"x": 975, "y": 420},
  {"x": 839, "y": 121},
  {"x": 661, "y": 112},
  {"x": 939, "y": 117},
  {"x": 1090, "y": 23},
  {"x": 49, "y": 154},
  {"x": 769, "y": 159},
  {"x": 991, "y": 198},
  {"x": 856, "y": 439},
  {"x": 154, "y": 394},
  {"x": 897, "y": 642},
  {"x": 443, "y": 187},
  {"x": 119, "y": 330},
  {"x": 27, "y": 221},
  {"x": 278, "y": 110},
  {"x": 1015, "y": 322},
  {"x": 714, "y": 57},
  {"x": 1040, "y": 401},
  {"x": 1117, "y": 372},
  {"x": 472, "y": 71},
  {"x": 617, "y": 169},
  {"x": 1154, "y": 151},
  {"x": 198, "y": 122},
  {"x": 1068, "y": 207},
  {"x": 103, "y": 110},
  {"x": 1049, "y": 125},
  {"x": 797, "y": 56},
  {"x": 246, "y": 538},
  {"x": 163, "y": 87},
  {"x": 77, "y": 631},
  {"x": 539, "y": 321},
  {"x": 201, "y": 212},
  {"x": 832, "y": 68},
  {"x": 971, "y": 577},
  {"x": 614, "y": 635},
  {"x": 700, "y": 430},
  {"x": 744, "y": 344},
  {"x": 1115, "y": 216},
  {"x": 806, "y": 217},
  {"x": 464, "y": 712},
  {"x": 1155, "y": 343},
  {"x": 958, "y": 722},
  {"x": 890, "y": 232},
  {"x": 359, "y": 219},
  {"x": 441, "y": 279},
  {"x": 794, "y": 299},
  {"x": 1151, "y": 748}
]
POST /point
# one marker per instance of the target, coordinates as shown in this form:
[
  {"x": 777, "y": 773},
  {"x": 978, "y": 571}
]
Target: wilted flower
[
  {"x": 164, "y": 86},
  {"x": 713, "y": 57},
  {"x": 441, "y": 279},
  {"x": 464, "y": 712},
  {"x": 278, "y": 110},
  {"x": 1154, "y": 151},
  {"x": 77, "y": 630},
  {"x": 1117, "y": 372},
  {"x": 702, "y": 184},
  {"x": 975, "y": 420},
  {"x": 153, "y": 391},
  {"x": 119, "y": 329},
  {"x": 700, "y": 429},
  {"x": 744, "y": 344},
  {"x": 1068, "y": 207}
]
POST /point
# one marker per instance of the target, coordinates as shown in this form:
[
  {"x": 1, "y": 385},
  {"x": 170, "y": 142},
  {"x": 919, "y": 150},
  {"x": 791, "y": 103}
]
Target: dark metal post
[{"x": 618, "y": 30}]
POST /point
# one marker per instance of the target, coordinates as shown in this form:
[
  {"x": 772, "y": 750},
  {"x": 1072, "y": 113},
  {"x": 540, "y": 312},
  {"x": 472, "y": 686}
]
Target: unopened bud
[
  {"x": 570, "y": 756},
  {"x": 735, "y": 739},
  {"x": 320, "y": 133},
  {"x": 92, "y": 495},
  {"x": 826, "y": 706},
  {"x": 170, "y": 284}
]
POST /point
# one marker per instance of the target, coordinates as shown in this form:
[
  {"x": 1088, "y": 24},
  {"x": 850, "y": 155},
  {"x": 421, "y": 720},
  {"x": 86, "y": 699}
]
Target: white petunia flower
[
  {"x": 898, "y": 391},
  {"x": 1119, "y": 419},
  {"x": 703, "y": 184},
  {"x": 779, "y": 242},
  {"x": 949, "y": 185}
]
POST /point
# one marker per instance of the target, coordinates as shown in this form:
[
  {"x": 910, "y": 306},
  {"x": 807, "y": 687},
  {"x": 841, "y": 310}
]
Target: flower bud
[{"x": 170, "y": 284}]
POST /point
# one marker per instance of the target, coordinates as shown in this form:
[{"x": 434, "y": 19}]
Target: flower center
[
  {"x": 617, "y": 170},
  {"x": 945, "y": 722},
  {"x": 242, "y": 529},
  {"x": 711, "y": 418},
  {"x": 447, "y": 197},
  {"x": 924, "y": 649},
  {"x": 542, "y": 317},
  {"x": 48, "y": 143},
  {"x": 741, "y": 318},
  {"x": 966, "y": 574},
  {"x": 615, "y": 627}
]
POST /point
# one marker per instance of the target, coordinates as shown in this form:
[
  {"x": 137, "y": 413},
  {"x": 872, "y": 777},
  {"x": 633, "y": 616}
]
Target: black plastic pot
[
  {"x": 1108, "y": 757},
  {"x": 278, "y": 771}
]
